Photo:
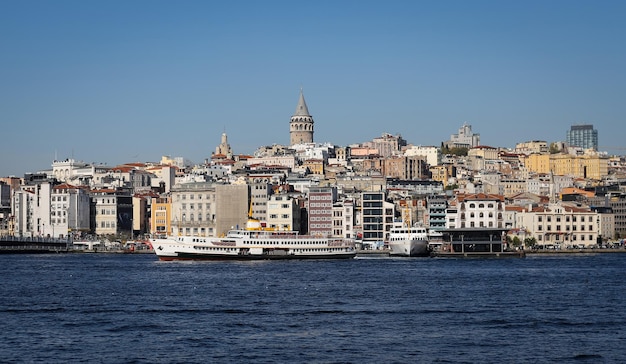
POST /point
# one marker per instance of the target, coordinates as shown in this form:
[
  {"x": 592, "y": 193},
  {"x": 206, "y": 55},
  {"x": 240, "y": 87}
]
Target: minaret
[{"x": 301, "y": 124}]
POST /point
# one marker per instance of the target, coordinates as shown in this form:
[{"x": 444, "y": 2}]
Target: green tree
[
  {"x": 454, "y": 151},
  {"x": 530, "y": 242},
  {"x": 554, "y": 148}
]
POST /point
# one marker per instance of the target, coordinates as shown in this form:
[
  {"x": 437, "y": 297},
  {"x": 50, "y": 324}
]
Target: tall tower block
[{"x": 301, "y": 124}]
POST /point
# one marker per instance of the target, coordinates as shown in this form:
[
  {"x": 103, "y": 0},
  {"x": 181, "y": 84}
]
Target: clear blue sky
[{"x": 125, "y": 81}]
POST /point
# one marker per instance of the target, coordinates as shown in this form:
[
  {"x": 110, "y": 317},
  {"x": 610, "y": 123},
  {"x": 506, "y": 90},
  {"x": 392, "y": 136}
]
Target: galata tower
[{"x": 301, "y": 124}]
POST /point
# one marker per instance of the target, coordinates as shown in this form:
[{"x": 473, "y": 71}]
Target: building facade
[
  {"x": 112, "y": 212},
  {"x": 480, "y": 211},
  {"x": 283, "y": 212},
  {"x": 582, "y": 136},
  {"x": 161, "y": 216},
  {"x": 320, "y": 210},
  {"x": 561, "y": 225},
  {"x": 376, "y": 217},
  {"x": 343, "y": 219}
]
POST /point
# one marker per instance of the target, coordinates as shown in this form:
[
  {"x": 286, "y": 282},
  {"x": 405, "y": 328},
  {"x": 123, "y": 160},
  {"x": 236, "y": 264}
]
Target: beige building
[
  {"x": 560, "y": 225},
  {"x": 283, "y": 212},
  {"x": 343, "y": 219},
  {"x": 113, "y": 212},
  {"x": 288, "y": 161},
  {"x": 387, "y": 145},
  {"x": 208, "y": 209},
  {"x": 534, "y": 146},
  {"x": 513, "y": 187},
  {"x": 405, "y": 168}
]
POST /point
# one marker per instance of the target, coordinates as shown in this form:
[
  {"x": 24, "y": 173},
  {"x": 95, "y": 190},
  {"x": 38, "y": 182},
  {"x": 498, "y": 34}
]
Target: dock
[
  {"x": 372, "y": 253},
  {"x": 33, "y": 245}
]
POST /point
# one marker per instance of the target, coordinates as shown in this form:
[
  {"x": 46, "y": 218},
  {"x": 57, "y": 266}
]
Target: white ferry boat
[
  {"x": 408, "y": 241},
  {"x": 253, "y": 244}
]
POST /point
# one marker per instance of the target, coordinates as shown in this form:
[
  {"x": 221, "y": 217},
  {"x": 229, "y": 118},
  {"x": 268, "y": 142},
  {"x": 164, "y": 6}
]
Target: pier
[{"x": 33, "y": 245}]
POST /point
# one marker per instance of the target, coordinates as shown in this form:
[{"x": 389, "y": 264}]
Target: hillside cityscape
[{"x": 548, "y": 195}]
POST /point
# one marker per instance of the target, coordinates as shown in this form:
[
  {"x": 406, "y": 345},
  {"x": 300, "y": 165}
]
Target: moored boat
[
  {"x": 406, "y": 240},
  {"x": 249, "y": 244}
]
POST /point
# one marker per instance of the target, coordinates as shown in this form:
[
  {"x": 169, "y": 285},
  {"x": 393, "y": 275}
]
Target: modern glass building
[{"x": 582, "y": 136}]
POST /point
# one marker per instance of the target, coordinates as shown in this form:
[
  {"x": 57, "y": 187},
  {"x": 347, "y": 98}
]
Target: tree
[
  {"x": 554, "y": 148},
  {"x": 454, "y": 151},
  {"x": 530, "y": 242}
]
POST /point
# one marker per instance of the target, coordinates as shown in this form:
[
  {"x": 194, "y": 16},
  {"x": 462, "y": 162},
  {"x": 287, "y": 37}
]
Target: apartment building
[
  {"x": 436, "y": 206},
  {"x": 343, "y": 219},
  {"x": 376, "y": 217},
  {"x": 283, "y": 212},
  {"x": 161, "y": 216},
  {"x": 112, "y": 212},
  {"x": 320, "y": 210}
]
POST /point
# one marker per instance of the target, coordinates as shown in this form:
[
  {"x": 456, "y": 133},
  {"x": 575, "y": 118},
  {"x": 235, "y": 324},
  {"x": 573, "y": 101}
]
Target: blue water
[{"x": 134, "y": 309}]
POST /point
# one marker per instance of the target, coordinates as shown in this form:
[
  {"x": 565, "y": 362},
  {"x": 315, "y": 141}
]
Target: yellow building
[
  {"x": 442, "y": 173},
  {"x": 584, "y": 166},
  {"x": 161, "y": 216},
  {"x": 538, "y": 163},
  {"x": 315, "y": 166}
]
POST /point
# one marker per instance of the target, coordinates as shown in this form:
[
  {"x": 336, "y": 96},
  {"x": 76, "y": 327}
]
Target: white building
[
  {"x": 432, "y": 154},
  {"x": 46, "y": 210},
  {"x": 69, "y": 210},
  {"x": 288, "y": 161},
  {"x": 343, "y": 219},
  {"x": 478, "y": 211}
]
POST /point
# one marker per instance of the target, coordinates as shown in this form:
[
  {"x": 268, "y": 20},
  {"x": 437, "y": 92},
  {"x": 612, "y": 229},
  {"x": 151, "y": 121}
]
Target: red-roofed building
[{"x": 560, "y": 225}]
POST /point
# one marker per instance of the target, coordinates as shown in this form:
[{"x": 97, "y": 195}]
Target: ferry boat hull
[
  {"x": 264, "y": 256},
  {"x": 409, "y": 248}
]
